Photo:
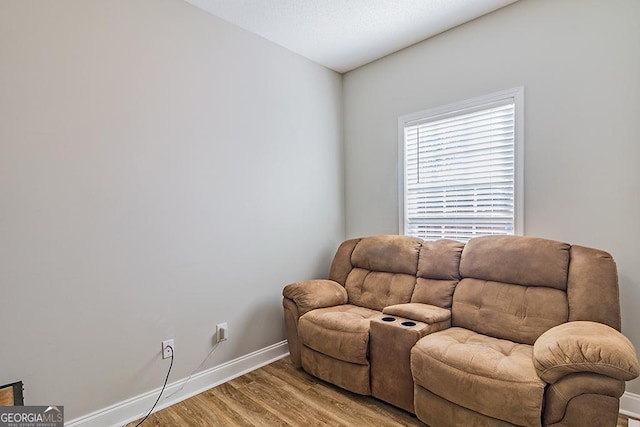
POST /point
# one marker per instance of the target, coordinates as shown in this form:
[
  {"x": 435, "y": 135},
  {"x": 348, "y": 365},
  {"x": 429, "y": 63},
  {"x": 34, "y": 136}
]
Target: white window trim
[{"x": 517, "y": 94}]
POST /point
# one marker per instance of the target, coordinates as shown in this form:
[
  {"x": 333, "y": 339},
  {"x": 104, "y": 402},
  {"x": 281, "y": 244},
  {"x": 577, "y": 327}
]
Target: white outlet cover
[
  {"x": 220, "y": 336},
  {"x": 634, "y": 423},
  {"x": 168, "y": 352}
]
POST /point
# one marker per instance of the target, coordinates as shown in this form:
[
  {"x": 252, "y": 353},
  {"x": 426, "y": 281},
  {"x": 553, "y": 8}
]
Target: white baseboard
[
  {"x": 132, "y": 409},
  {"x": 630, "y": 405}
]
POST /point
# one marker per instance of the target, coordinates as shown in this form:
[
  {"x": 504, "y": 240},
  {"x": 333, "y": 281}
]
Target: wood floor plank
[
  {"x": 279, "y": 400},
  {"x": 219, "y": 413},
  {"x": 252, "y": 410},
  {"x": 297, "y": 378},
  {"x": 281, "y": 395},
  {"x": 317, "y": 411}
]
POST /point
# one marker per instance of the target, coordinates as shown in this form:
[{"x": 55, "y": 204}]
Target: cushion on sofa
[
  {"x": 440, "y": 259},
  {"x": 434, "y": 292},
  {"x": 425, "y": 313},
  {"x": 341, "y": 332},
  {"x": 488, "y": 375},
  {"x": 584, "y": 347},
  {"x": 383, "y": 271},
  {"x": 438, "y": 273},
  {"x": 527, "y": 261},
  {"x": 376, "y": 290},
  {"x": 312, "y": 294},
  {"x": 513, "y": 312},
  {"x": 393, "y": 254}
]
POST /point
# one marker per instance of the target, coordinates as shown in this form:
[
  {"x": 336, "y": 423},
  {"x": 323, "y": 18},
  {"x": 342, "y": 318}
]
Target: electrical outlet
[
  {"x": 222, "y": 332},
  {"x": 634, "y": 423},
  {"x": 168, "y": 349}
]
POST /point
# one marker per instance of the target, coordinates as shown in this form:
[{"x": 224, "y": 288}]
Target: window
[{"x": 462, "y": 168}]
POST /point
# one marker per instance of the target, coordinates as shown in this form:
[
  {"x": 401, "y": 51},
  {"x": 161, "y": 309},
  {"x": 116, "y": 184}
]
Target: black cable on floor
[{"x": 161, "y": 391}]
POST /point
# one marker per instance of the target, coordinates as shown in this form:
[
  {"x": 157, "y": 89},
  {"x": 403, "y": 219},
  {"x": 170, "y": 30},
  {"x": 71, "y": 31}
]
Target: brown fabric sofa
[{"x": 501, "y": 331}]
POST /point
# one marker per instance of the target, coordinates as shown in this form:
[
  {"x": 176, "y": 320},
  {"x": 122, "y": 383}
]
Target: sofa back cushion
[
  {"x": 513, "y": 287},
  {"x": 526, "y": 261},
  {"x": 383, "y": 271},
  {"x": 438, "y": 272},
  {"x": 504, "y": 310},
  {"x": 391, "y": 254},
  {"x": 377, "y": 289}
]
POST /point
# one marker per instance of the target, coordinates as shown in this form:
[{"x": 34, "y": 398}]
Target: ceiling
[{"x": 345, "y": 34}]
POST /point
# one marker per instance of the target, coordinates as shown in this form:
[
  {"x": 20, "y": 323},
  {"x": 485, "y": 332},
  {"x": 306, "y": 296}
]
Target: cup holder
[
  {"x": 408, "y": 323},
  {"x": 389, "y": 319}
]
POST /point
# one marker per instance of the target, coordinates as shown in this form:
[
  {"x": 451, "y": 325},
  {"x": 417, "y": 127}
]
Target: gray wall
[
  {"x": 579, "y": 61},
  {"x": 160, "y": 171}
]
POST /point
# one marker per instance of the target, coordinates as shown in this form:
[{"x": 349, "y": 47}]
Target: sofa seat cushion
[
  {"x": 491, "y": 376},
  {"x": 341, "y": 332}
]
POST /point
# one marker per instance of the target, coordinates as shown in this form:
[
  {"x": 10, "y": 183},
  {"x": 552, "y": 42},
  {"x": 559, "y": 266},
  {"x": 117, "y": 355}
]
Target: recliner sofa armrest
[
  {"x": 425, "y": 313},
  {"x": 583, "y": 346},
  {"x": 311, "y": 294}
]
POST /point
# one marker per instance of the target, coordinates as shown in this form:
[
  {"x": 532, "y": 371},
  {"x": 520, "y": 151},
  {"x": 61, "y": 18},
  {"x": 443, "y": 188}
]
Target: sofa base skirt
[
  {"x": 438, "y": 412},
  {"x": 590, "y": 410},
  {"x": 347, "y": 375}
]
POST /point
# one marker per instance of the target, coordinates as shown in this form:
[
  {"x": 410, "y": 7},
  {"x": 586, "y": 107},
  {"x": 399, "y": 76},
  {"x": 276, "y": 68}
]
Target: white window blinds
[{"x": 460, "y": 172}]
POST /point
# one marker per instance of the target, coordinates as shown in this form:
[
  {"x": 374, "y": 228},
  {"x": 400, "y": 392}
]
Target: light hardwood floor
[{"x": 281, "y": 395}]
